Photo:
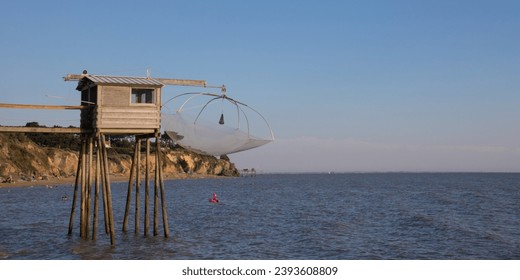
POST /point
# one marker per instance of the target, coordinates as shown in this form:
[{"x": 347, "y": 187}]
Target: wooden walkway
[
  {"x": 43, "y": 107},
  {"x": 28, "y": 129}
]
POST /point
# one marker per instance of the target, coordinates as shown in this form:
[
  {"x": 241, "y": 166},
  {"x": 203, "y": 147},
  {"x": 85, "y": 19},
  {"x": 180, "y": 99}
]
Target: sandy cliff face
[{"x": 20, "y": 158}]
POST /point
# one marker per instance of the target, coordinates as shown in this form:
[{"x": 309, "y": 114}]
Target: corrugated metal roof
[{"x": 118, "y": 80}]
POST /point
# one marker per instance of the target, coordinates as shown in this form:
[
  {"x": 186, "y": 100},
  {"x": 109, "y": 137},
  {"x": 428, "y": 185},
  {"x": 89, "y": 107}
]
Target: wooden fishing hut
[
  {"x": 113, "y": 105},
  {"x": 120, "y": 105},
  {"x": 117, "y": 105}
]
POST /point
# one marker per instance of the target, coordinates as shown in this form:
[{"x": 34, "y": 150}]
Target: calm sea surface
[{"x": 289, "y": 216}]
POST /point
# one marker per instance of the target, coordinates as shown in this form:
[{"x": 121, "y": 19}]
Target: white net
[{"x": 214, "y": 124}]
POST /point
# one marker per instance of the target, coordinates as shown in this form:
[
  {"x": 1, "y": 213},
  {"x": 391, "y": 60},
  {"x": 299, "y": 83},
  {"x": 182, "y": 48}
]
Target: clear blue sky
[{"x": 346, "y": 85}]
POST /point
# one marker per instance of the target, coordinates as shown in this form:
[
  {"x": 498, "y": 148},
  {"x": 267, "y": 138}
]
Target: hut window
[
  {"x": 142, "y": 95},
  {"x": 89, "y": 96}
]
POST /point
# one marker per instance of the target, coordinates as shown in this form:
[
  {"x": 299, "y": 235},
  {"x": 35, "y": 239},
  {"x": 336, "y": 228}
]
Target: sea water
[{"x": 284, "y": 216}]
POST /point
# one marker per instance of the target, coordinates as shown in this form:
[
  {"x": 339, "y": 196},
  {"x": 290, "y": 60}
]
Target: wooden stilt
[
  {"x": 156, "y": 189},
  {"x": 103, "y": 184},
  {"x": 88, "y": 186},
  {"x": 129, "y": 192},
  {"x": 147, "y": 187},
  {"x": 96, "y": 194},
  {"x": 74, "y": 197},
  {"x": 107, "y": 190},
  {"x": 83, "y": 188},
  {"x": 163, "y": 204},
  {"x": 137, "y": 183}
]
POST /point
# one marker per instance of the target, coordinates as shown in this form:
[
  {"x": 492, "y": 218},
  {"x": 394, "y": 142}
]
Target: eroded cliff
[{"x": 22, "y": 159}]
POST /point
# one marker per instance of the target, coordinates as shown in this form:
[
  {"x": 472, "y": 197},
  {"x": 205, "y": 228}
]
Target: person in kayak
[{"x": 214, "y": 199}]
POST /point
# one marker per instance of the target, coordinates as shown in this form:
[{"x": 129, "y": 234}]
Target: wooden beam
[
  {"x": 166, "y": 81},
  {"x": 44, "y": 107},
  {"x": 181, "y": 82},
  {"x": 73, "y": 77},
  {"x": 112, "y": 131},
  {"x": 28, "y": 129}
]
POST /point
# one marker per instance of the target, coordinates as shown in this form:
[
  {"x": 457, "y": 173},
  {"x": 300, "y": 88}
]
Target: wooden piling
[
  {"x": 129, "y": 191},
  {"x": 156, "y": 189},
  {"x": 88, "y": 185},
  {"x": 137, "y": 183},
  {"x": 107, "y": 190},
  {"x": 83, "y": 188},
  {"x": 74, "y": 197},
  {"x": 163, "y": 203},
  {"x": 147, "y": 187},
  {"x": 96, "y": 192},
  {"x": 103, "y": 184}
]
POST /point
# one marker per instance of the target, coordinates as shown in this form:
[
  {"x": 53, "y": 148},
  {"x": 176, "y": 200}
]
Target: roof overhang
[{"x": 91, "y": 80}]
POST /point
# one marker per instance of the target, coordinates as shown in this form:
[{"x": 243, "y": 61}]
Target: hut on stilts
[{"x": 114, "y": 105}]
